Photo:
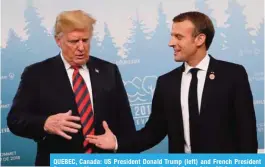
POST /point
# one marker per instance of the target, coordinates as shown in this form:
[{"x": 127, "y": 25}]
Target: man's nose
[
  {"x": 172, "y": 42},
  {"x": 81, "y": 45}
]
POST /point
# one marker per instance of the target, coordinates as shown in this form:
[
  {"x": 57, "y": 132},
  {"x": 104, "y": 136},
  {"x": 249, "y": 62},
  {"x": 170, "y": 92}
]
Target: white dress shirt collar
[
  {"x": 203, "y": 65},
  {"x": 67, "y": 65}
]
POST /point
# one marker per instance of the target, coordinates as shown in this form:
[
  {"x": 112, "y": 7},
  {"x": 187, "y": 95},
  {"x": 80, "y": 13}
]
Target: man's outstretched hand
[{"x": 107, "y": 141}]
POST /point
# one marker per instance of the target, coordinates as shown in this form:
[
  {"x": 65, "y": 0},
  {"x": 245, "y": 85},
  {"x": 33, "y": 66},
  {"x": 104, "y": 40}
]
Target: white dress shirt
[
  {"x": 185, "y": 84},
  {"x": 84, "y": 72}
]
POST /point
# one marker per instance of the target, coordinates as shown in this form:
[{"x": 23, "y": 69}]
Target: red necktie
[{"x": 84, "y": 106}]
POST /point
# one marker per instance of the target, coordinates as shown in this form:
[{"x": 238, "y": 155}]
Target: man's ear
[
  {"x": 200, "y": 39},
  {"x": 58, "y": 40}
]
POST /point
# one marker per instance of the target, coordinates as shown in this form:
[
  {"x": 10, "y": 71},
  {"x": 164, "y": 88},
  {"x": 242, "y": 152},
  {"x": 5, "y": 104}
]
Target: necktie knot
[
  {"x": 76, "y": 67},
  {"x": 194, "y": 71}
]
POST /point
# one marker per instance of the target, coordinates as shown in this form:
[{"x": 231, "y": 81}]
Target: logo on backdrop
[
  {"x": 125, "y": 61},
  {"x": 140, "y": 93},
  {"x": 4, "y": 130},
  {"x": 260, "y": 127},
  {"x": 4, "y": 105},
  {"x": 9, "y": 156},
  {"x": 258, "y": 102},
  {"x": 257, "y": 76},
  {"x": 9, "y": 76},
  {"x": 249, "y": 52}
]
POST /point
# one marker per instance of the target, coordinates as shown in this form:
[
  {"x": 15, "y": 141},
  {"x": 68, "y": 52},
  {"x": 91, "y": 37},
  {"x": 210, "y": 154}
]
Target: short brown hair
[
  {"x": 68, "y": 21},
  {"x": 202, "y": 24}
]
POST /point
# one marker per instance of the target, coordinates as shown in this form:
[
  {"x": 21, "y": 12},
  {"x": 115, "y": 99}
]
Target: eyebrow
[
  {"x": 83, "y": 39},
  {"x": 176, "y": 34}
]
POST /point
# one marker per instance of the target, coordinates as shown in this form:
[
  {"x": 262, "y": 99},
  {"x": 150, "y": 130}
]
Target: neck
[{"x": 197, "y": 58}]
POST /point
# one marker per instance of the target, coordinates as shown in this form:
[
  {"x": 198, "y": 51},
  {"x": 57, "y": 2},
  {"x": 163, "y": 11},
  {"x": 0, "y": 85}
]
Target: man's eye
[
  {"x": 73, "y": 41},
  {"x": 179, "y": 37},
  {"x": 85, "y": 40}
]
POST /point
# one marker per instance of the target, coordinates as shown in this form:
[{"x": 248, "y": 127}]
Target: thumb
[
  {"x": 106, "y": 127},
  {"x": 69, "y": 112}
]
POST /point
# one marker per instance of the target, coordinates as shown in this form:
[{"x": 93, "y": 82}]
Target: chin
[
  {"x": 177, "y": 59},
  {"x": 81, "y": 62}
]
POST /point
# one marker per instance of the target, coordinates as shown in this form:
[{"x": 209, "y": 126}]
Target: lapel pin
[
  {"x": 97, "y": 71},
  {"x": 212, "y": 76}
]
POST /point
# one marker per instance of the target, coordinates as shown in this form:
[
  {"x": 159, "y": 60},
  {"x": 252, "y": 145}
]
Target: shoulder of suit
[
  {"x": 49, "y": 61},
  {"x": 225, "y": 65},
  {"x": 41, "y": 64},
  {"x": 100, "y": 61},
  {"x": 219, "y": 64},
  {"x": 171, "y": 73}
]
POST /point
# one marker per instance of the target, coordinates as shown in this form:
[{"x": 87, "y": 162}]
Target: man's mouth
[
  {"x": 80, "y": 56},
  {"x": 176, "y": 51}
]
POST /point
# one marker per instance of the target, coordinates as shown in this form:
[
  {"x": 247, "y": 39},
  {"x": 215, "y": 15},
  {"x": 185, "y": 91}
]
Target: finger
[
  {"x": 64, "y": 135},
  {"x": 91, "y": 137},
  {"x": 69, "y": 112},
  {"x": 67, "y": 129},
  {"x": 98, "y": 145},
  {"x": 105, "y": 126},
  {"x": 72, "y": 125},
  {"x": 72, "y": 118},
  {"x": 92, "y": 141}
]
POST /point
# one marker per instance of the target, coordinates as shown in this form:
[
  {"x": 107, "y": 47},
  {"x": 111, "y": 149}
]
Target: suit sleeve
[
  {"x": 245, "y": 114},
  {"x": 154, "y": 131},
  {"x": 23, "y": 119}
]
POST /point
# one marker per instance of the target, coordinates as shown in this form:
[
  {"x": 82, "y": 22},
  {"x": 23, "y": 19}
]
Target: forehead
[
  {"x": 184, "y": 27},
  {"x": 78, "y": 34}
]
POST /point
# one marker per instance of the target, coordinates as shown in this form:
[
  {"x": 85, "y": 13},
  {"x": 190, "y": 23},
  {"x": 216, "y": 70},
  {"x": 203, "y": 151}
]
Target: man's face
[
  {"x": 183, "y": 41},
  {"x": 75, "y": 46}
]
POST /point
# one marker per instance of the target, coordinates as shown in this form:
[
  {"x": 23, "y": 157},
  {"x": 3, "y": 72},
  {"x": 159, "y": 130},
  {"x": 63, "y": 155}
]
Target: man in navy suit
[
  {"x": 204, "y": 106},
  {"x": 64, "y": 98}
]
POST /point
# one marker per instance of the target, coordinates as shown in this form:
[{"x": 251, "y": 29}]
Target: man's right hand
[
  {"x": 106, "y": 141},
  {"x": 60, "y": 123}
]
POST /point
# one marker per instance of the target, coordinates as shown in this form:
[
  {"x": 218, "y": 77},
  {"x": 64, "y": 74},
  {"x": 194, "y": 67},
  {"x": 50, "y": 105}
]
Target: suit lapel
[
  {"x": 96, "y": 83},
  {"x": 94, "y": 72},
  {"x": 209, "y": 85},
  {"x": 62, "y": 84},
  {"x": 177, "y": 87},
  {"x": 176, "y": 97}
]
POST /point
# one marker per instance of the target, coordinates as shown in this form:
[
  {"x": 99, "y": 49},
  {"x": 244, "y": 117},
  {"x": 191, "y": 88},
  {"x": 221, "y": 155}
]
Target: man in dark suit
[
  {"x": 64, "y": 98},
  {"x": 204, "y": 106}
]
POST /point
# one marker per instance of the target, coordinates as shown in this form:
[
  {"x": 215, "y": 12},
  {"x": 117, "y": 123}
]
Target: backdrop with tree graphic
[{"x": 142, "y": 56}]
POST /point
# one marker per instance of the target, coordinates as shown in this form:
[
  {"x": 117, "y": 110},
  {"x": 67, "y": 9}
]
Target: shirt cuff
[{"x": 116, "y": 145}]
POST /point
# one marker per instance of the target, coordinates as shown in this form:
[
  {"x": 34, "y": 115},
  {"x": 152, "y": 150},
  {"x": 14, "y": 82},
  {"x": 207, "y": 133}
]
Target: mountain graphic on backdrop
[{"x": 233, "y": 43}]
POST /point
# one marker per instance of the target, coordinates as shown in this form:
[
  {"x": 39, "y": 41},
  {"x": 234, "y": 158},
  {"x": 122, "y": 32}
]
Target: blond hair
[{"x": 68, "y": 21}]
